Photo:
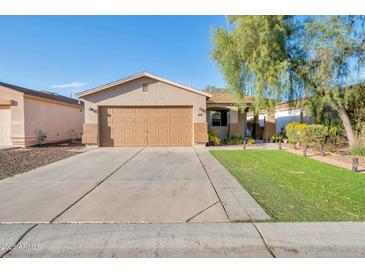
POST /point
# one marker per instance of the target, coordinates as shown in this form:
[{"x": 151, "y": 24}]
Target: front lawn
[{"x": 294, "y": 188}]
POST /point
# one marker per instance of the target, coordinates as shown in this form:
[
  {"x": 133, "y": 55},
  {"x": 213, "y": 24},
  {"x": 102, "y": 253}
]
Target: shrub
[
  {"x": 292, "y": 132},
  {"x": 235, "y": 139},
  {"x": 318, "y": 135},
  {"x": 251, "y": 141},
  {"x": 213, "y": 138},
  {"x": 357, "y": 150},
  {"x": 336, "y": 139},
  {"x": 298, "y": 133},
  {"x": 277, "y": 139}
]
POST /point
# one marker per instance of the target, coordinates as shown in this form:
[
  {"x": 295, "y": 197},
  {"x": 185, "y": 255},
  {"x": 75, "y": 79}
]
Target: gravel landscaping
[{"x": 21, "y": 160}]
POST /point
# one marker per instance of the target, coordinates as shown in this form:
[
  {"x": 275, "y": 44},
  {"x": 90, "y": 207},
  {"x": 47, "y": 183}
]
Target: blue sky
[{"x": 68, "y": 54}]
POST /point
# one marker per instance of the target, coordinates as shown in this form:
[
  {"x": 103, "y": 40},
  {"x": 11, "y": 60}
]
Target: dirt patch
[{"x": 21, "y": 160}]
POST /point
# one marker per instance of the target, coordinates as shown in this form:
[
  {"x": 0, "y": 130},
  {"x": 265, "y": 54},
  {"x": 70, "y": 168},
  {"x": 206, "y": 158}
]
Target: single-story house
[
  {"x": 29, "y": 117},
  {"x": 148, "y": 110},
  {"x": 144, "y": 110}
]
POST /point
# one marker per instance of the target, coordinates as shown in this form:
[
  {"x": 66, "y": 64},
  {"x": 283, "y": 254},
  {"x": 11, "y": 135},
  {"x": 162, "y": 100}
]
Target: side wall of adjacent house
[{"x": 59, "y": 121}]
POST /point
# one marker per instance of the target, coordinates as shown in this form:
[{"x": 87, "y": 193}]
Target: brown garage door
[{"x": 146, "y": 126}]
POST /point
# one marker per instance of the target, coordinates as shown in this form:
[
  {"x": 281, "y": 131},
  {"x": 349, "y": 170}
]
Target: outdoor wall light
[{"x": 92, "y": 109}]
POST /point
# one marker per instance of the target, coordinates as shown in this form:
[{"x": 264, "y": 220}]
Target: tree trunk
[{"x": 347, "y": 125}]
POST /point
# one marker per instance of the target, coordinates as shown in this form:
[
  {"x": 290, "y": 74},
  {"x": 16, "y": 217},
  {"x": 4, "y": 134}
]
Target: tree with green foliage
[
  {"x": 213, "y": 89},
  {"x": 254, "y": 57},
  {"x": 354, "y": 99},
  {"x": 277, "y": 58},
  {"x": 335, "y": 49}
]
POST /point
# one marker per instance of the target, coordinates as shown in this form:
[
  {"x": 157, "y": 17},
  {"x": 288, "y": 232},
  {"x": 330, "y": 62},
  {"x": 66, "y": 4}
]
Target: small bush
[
  {"x": 298, "y": 133},
  {"x": 235, "y": 139},
  {"x": 292, "y": 132},
  {"x": 318, "y": 134},
  {"x": 357, "y": 150},
  {"x": 214, "y": 140},
  {"x": 277, "y": 139},
  {"x": 251, "y": 141}
]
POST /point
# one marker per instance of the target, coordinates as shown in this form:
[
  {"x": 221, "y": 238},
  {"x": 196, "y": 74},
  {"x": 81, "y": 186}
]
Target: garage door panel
[
  {"x": 116, "y": 120},
  {"x": 163, "y": 140},
  {"x": 152, "y": 131},
  {"x": 128, "y": 131},
  {"x": 140, "y": 120},
  {"x": 128, "y": 110},
  {"x": 175, "y": 121},
  {"x": 163, "y": 120},
  {"x": 152, "y": 140},
  {"x": 163, "y": 131},
  {"x": 174, "y": 110},
  {"x": 140, "y": 111},
  {"x": 139, "y": 140},
  {"x": 163, "y": 110},
  {"x": 187, "y": 111},
  {"x": 152, "y": 110},
  {"x": 116, "y": 126},
  {"x": 128, "y": 121},
  {"x": 185, "y": 121},
  {"x": 140, "y": 131},
  {"x": 146, "y": 126}
]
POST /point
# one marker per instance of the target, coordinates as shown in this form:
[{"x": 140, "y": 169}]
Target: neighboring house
[
  {"x": 29, "y": 117},
  {"x": 284, "y": 114}
]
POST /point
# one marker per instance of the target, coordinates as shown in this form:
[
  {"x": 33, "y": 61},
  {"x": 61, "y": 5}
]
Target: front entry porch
[
  {"x": 224, "y": 116},
  {"x": 227, "y": 121}
]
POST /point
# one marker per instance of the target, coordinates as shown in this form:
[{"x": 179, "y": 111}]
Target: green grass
[{"x": 294, "y": 188}]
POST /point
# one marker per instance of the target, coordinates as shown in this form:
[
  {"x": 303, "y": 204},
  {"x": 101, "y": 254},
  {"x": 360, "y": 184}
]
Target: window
[
  {"x": 145, "y": 87},
  {"x": 219, "y": 118}
]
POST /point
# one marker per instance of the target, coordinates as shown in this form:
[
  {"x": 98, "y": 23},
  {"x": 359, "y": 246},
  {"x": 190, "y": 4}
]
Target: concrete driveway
[{"x": 114, "y": 185}]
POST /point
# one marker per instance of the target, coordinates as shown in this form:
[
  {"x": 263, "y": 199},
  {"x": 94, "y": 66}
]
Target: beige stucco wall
[
  {"x": 159, "y": 94},
  {"x": 17, "y": 114},
  {"x": 58, "y": 120},
  {"x": 30, "y": 114}
]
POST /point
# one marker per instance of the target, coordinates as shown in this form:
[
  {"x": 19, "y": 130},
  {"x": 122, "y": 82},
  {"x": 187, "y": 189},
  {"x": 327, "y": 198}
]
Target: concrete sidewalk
[
  {"x": 184, "y": 240},
  {"x": 237, "y": 202}
]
